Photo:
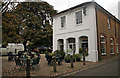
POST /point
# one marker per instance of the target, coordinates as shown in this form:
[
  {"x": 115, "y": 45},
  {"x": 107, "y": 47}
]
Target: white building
[
  {"x": 76, "y": 28},
  {"x": 87, "y": 26}
]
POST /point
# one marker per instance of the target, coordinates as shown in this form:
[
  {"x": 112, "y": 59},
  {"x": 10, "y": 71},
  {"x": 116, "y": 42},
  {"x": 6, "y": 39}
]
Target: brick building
[
  {"x": 108, "y": 28},
  {"x": 88, "y": 26}
]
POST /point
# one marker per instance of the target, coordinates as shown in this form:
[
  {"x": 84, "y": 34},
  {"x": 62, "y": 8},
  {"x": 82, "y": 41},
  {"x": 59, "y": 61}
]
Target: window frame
[
  {"x": 117, "y": 46},
  {"x": 112, "y": 45},
  {"x": 108, "y": 22},
  {"x": 78, "y": 17},
  {"x": 104, "y": 43},
  {"x": 63, "y": 21}
]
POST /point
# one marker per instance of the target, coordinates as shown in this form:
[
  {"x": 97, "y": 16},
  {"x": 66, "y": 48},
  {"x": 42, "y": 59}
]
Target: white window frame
[
  {"x": 103, "y": 43},
  {"x": 78, "y": 16},
  {"x": 112, "y": 45},
  {"x": 117, "y": 47},
  {"x": 108, "y": 21}
]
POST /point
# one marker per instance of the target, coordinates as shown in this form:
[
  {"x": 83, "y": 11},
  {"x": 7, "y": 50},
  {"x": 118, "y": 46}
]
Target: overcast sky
[{"x": 60, "y": 5}]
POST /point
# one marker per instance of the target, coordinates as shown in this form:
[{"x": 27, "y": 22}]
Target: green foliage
[
  {"x": 67, "y": 58},
  {"x": 80, "y": 50},
  {"x": 86, "y": 53},
  {"x": 30, "y": 20},
  {"x": 46, "y": 52},
  {"x": 51, "y": 54},
  {"x": 78, "y": 57},
  {"x": 62, "y": 53}
]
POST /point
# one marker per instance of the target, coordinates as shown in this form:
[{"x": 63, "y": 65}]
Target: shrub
[
  {"x": 51, "y": 54},
  {"x": 67, "y": 58},
  {"x": 47, "y": 52},
  {"x": 80, "y": 50},
  {"x": 86, "y": 53},
  {"x": 78, "y": 57},
  {"x": 62, "y": 53}
]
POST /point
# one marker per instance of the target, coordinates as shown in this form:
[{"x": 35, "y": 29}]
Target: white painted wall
[{"x": 87, "y": 28}]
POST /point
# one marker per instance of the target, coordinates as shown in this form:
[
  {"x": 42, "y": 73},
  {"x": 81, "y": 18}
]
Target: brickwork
[{"x": 113, "y": 32}]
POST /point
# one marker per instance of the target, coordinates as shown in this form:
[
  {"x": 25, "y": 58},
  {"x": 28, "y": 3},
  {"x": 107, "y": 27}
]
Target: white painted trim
[
  {"x": 103, "y": 53},
  {"x": 113, "y": 53}
]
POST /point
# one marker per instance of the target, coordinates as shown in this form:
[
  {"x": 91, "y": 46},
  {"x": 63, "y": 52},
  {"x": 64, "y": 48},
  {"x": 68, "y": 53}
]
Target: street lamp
[{"x": 27, "y": 44}]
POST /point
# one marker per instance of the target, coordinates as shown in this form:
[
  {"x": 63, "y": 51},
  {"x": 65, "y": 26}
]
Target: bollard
[
  {"x": 83, "y": 59},
  {"x": 28, "y": 69},
  {"x": 71, "y": 61},
  {"x": 54, "y": 64}
]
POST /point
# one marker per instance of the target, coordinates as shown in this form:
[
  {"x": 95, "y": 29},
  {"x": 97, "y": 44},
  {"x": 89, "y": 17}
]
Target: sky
[
  {"x": 109, "y": 5},
  {"x": 60, "y": 5}
]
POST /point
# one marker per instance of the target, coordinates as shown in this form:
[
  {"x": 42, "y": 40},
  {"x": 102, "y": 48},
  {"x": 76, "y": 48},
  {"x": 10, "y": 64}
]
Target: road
[{"x": 106, "y": 69}]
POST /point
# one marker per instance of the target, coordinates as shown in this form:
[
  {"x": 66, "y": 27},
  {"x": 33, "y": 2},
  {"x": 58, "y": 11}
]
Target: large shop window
[
  {"x": 112, "y": 45},
  {"x": 103, "y": 45}
]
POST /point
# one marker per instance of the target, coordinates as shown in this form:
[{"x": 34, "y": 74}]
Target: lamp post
[
  {"x": 70, "y": 51},
  {"x": 27, "y": 44},
  {"x": 28, "y": 62},
  {"x": 84, "y": 55}
]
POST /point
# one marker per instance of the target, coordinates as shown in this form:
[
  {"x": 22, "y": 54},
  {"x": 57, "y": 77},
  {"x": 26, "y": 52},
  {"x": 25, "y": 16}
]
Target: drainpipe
[{"x": 97, "y": 33}]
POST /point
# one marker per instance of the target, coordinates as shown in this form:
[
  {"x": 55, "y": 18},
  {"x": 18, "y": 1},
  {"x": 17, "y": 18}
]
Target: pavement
[
  {"x": 46, "y": 70},
  {"x": 107, "y": 69}
]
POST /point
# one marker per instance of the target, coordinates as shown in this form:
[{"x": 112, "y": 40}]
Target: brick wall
[{"x": 103, "y": 29}]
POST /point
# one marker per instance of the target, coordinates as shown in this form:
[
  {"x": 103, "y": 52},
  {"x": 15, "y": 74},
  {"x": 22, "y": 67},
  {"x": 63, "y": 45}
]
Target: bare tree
[{"x": 6, "y": 5}]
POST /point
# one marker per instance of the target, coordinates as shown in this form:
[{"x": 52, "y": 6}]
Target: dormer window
[
  {"x": 79, "y": 17},
  {"x": 63, "y": 21}
]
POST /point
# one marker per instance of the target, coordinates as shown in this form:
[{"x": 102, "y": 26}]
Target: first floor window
[
  {"x": 103, "y": 45},
  {"x": 63, "y": 20},
  {"x": 79, "y": 17}
]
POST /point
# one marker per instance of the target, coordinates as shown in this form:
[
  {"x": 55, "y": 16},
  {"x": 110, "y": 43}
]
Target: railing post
[
  {"x": 71, "y": 61},
  {"x": 28, "y": 69},
  {"x": 83, "y": 59},
  {"x": 54, "y": 64}
]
